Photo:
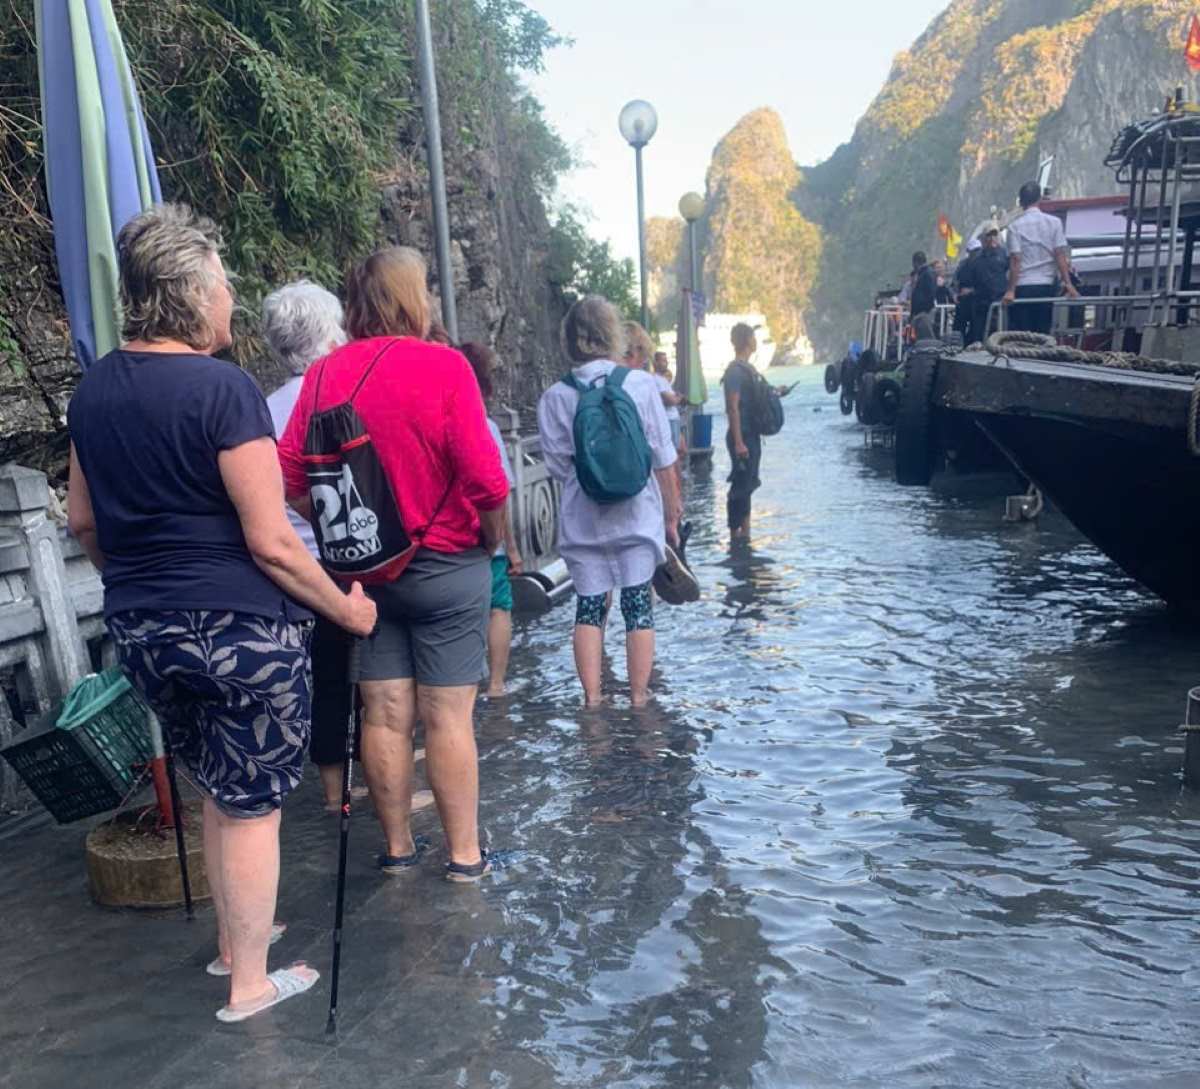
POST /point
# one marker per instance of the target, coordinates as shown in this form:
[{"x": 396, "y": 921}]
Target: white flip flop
[
  {"x": 287, "y": 983},
  {"x": 219, "y": 968}
]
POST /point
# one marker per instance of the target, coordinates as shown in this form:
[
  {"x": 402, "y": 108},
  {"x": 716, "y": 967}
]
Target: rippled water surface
[
  {"x": 907, "y": 812},
  {"x": 905, "y": 815}
]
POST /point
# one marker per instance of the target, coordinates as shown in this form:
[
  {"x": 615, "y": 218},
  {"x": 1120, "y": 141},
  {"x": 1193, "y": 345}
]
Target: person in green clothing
[{"x": 507, "y": 559}]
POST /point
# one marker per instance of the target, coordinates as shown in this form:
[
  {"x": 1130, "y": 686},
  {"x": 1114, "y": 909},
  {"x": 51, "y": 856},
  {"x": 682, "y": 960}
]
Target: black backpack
[
  {"x": 355, "y": 517},
  {"x": 766, "y": 406}
]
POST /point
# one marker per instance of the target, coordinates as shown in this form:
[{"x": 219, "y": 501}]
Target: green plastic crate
[{"x": 82, "y": 763}]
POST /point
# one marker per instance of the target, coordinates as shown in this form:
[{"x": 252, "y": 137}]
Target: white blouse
[{"x": 612, "y": 545}]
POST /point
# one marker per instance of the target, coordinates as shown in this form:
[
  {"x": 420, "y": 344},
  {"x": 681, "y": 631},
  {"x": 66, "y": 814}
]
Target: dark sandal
[
  {"x": 393, "y": 864},
  {"x": 463, "y": 872}
]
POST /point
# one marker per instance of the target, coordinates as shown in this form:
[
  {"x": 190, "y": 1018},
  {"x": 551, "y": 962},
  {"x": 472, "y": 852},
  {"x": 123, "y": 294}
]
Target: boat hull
[{"x": 1108, "y": 447}]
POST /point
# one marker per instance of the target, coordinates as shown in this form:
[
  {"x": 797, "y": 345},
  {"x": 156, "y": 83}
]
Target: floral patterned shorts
[
  {"x": 233, "y": 693},
  {"x": 637, "y": 608}
]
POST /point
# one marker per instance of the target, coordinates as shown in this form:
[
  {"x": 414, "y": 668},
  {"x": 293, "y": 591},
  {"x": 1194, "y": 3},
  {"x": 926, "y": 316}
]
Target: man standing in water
[{"x": 742, "y": 439}]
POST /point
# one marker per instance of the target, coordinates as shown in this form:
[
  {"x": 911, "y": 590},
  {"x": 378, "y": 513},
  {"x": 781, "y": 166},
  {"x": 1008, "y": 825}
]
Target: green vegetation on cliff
[
  {"x": 967, "y": 113},
  {"x": 292, "y": 123}
]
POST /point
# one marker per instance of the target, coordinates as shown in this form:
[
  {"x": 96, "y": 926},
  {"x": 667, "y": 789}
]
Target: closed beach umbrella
[
  {"x": 99, "y": 167},
  {"x": 689, "y": 375}
]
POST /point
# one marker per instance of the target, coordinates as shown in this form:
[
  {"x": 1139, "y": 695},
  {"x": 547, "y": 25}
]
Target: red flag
[
  {"x": 944, "y": 227},
  {"x": 1192, "y": 51}
]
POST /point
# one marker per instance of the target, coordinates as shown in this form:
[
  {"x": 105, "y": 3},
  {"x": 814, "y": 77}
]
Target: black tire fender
[
  {"x": 887, "y": 401},
  {"x": 833, "y": 378},
  {"x": 864, "y": 401},
  {"x": 849, "y": 378},
  {"x": 916, "y": 436}
]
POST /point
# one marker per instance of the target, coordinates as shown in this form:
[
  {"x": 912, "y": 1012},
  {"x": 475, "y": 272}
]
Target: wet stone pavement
[{"x": 907, "y": 813}]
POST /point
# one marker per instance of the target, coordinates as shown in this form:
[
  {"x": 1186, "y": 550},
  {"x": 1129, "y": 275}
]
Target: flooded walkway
[{"x": 906, "y": 814}]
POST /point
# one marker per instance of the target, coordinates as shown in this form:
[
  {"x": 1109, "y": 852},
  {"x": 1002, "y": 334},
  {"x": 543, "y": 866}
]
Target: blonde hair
[
  {"x": 387, "y": 296},
  {"x": 592, "y": 330},
  {"x": 638, "y": 342},
  {"x": 166, "y": 280}
]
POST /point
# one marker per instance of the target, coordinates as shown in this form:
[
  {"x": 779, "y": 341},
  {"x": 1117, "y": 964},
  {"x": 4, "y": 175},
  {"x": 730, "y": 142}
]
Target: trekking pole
[
  {"x": 347, "y": 772},
  {"x": 163, "y": 752},
  {"x": 180, "y": 846}
]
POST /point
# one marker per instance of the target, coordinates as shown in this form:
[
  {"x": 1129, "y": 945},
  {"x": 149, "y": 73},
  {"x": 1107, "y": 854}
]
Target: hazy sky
[{"x": 703, "y": 64}]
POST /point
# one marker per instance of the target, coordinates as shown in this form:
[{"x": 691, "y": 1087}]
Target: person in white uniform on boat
[
  {"x": 1039, "y": 263},
  {"x": 611, "y": 546}
]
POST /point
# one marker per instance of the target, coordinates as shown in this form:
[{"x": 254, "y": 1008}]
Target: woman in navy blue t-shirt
[{"x": 177, "y": 497}]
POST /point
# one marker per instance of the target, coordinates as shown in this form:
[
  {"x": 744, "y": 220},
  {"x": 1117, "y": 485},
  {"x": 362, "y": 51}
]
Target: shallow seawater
[{"x": 907, "y": 810}]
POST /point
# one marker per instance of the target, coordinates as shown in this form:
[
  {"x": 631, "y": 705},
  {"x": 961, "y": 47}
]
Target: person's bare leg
[
  {"x": 452, "y": 764},
  {"x": 499, "y": 644},
  {"x": 639, "y": 652},
  {"x": 249, "y": 878},
  {"x": 212, "y": 868},
  {"x": 331, "y": 783},
  {"x": 389, "y": 711},
  {"x": 589, "y": 650}
]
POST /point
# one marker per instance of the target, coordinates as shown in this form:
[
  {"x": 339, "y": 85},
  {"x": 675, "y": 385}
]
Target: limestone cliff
[{"x": 989, "y": 90}]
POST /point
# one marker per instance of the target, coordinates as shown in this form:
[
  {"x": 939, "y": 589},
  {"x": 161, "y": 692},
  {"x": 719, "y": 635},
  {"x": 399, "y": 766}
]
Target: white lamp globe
[
  {"x": 638, "y": 122},
  {"x": 691, "y": 206}
]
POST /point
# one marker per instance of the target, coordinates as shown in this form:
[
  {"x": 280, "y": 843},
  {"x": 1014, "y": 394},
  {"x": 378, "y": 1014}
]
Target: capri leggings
[{"x": 636, "y": 608}]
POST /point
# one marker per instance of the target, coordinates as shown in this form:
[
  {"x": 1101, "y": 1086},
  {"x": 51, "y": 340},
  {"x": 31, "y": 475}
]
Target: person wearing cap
[
  {"x": 964, "y": 280},
  {"x": 990, "y": 278}
]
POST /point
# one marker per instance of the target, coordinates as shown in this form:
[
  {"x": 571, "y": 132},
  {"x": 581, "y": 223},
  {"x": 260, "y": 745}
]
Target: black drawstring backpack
[{"x": 355, "y": 517}]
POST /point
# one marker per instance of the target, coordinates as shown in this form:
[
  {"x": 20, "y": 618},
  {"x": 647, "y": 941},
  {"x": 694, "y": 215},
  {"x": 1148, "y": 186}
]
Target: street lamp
[
  {"x": 427, "y": 79},
  {"x": 691, "y": 207},
  {"x": 638, "y": 123}
]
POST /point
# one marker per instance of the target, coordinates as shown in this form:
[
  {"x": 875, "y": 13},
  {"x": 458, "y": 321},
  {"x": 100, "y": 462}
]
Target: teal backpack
[{"x": 612, "y": 456}]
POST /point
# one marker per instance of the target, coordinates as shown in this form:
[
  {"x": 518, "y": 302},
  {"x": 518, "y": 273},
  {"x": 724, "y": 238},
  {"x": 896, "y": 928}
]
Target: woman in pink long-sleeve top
[{"x": 422, "y": 407}]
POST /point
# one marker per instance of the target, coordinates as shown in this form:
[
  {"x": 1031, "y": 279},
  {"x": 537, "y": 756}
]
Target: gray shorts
[
  {"x": 432, "y": 621},
  {"x": 676, "y": 431}
]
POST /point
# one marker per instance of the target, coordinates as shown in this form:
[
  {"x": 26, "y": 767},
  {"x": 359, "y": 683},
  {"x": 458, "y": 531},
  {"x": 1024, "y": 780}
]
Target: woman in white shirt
[{"x": 611, "y": 546}]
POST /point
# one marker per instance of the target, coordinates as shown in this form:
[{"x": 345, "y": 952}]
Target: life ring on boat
[
  {"x": 916, "y": 450},
  {"x": 864, "y": 402},
  {"x": 833, "y": 378},
  {"x": 887, "y": 401}
]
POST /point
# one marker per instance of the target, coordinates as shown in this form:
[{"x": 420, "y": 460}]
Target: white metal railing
[
  {"x": 51, "y": 610},
  {"x": 885, "y": 329},
  {"x": 1103, "y": 313}
]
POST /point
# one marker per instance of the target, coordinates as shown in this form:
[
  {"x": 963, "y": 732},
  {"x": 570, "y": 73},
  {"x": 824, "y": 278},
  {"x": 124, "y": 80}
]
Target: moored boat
[
  {"x": 1108, "y": 434},
  {"x": 1110, "y": 447}
]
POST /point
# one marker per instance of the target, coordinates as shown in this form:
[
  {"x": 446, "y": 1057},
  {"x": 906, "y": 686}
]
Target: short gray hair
[
  {"x": 592, "y": 330},
  {"x": 299, "y": 323},
  {"x": 166, "y": 282}
]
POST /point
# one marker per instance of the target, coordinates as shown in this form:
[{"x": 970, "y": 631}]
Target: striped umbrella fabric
[
  {"x": 99, "y": 167},
  {"x": 689, "y": 376}
]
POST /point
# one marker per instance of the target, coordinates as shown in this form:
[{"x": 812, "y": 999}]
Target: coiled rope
[
  {"x": 1018, "y": 344},
  {"x": 1022, "y": 345}
]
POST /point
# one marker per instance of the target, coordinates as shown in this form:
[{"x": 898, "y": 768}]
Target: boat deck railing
[
  {"x": 1089, "y": 315},
  {"x": 885, "y": 329}
]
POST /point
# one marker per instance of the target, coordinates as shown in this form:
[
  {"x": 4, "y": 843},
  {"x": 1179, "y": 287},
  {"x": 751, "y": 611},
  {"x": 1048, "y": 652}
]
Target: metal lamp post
[
  {"x": 691, "y": 207},
  {"x": 638, "y": 123},
  {"x": 427, "y": 78}
]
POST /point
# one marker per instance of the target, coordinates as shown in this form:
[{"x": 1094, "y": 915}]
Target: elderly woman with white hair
[
  {"x": 176, "y": 496},
  {"x": 301, "y": 322},
  {"x": 610, "y": 546}
]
